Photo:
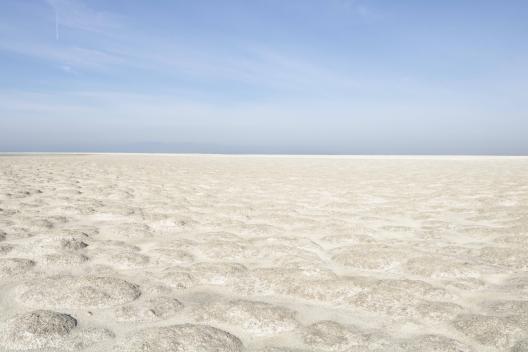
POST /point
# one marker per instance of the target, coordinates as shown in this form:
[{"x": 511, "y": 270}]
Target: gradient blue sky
[{"x": 267, "y": 76}]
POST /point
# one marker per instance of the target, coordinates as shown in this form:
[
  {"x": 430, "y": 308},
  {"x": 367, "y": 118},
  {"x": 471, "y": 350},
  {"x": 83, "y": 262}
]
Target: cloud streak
[
  {"x": 246, "y": 63},
  {"x": 75, "y": 14},
  {"x": 57, "y": 36}
]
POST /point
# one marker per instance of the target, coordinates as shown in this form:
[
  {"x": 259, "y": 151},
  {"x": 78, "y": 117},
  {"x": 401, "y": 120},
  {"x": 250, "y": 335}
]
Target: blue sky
[{"x": 266, "y": 76}]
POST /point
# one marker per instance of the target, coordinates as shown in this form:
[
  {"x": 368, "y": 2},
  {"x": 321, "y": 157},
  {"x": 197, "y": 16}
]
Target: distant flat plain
[{"x": 201, "y": 253}]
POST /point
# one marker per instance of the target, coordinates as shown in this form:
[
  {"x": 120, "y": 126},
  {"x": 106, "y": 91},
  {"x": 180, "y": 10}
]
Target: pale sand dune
[{"x": 270, "y": 254}]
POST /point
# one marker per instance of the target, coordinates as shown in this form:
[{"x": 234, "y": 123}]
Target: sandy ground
[{"x": 276, "y": 254}]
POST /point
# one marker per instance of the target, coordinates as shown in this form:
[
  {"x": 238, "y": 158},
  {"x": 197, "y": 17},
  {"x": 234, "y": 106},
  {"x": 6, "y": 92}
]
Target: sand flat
[{"x": 260, "y": 253}]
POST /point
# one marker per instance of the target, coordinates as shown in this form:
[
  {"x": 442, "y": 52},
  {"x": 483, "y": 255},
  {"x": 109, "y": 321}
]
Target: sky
[{"x": 265, "y": 76}]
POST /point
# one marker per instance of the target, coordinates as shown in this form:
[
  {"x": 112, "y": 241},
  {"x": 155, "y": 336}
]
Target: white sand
[{"x": 276, "y": 254}]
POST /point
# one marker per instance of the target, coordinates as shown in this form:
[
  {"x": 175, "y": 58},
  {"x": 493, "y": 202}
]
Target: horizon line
[{"x": 273, "y": 154}]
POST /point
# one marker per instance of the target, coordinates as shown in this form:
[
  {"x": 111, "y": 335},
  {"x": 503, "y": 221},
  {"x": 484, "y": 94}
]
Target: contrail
[{"x": 56, "y": 24}]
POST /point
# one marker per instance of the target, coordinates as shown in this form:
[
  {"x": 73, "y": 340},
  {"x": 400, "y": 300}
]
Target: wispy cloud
[
  {"x": 103, "y": 48},
  {"x": 247, "y": 63},
  {"x": 64, "y": 56},
  {"x": 77, "y": 15}
]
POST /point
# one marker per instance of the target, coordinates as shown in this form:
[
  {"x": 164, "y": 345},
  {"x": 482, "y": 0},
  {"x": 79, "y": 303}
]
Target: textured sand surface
[{"x": 271, "y": 254}]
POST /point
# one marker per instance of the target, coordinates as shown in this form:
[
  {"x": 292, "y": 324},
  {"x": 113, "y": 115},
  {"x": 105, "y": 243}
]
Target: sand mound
[
  {"x": 332, "y": 336},
  {"x": 395, "y": 303},
  {"x": 169, "y": 256},
  {"x": 125, "y": 259},
  {"x": 75, "y": 292},
  {"x": 221, "y": 250},
  {"x": 433, "y": 343},
  {"x": 256, "y": 318},
  {"x": 499, "y": 332},
  {"x": 218, "y": 273},
  {"x": 178, "y": 278},
  {"x": 416, "y": 288},
  {"x": 378, "y": 258},
  {"x": 65, "y": 259},
  {"x": 133, "y": 231},
  {"x": 10, "y": 267},
  {"x": 181, "y": 338},
  {"x": 517, "y": 285},
  {"x": 280, "y": 349},
  {"x": 515, "y": 258},
  {"x": 5, "y": 249},
  {"x": 44, "y": 323},
  {"x": 274, "y": 282},
  {"x": 441, "y": 268},
  {"x": 150, "y": 310},
  {"x": 509, "y": 308},
  {"x": 270, "y": 253},
  {"x": 73, "y": 244},
  {"x": 440, "y": 311},
  {"x": 54, "y": 244},
  {"x": 44, "y": 329}
]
